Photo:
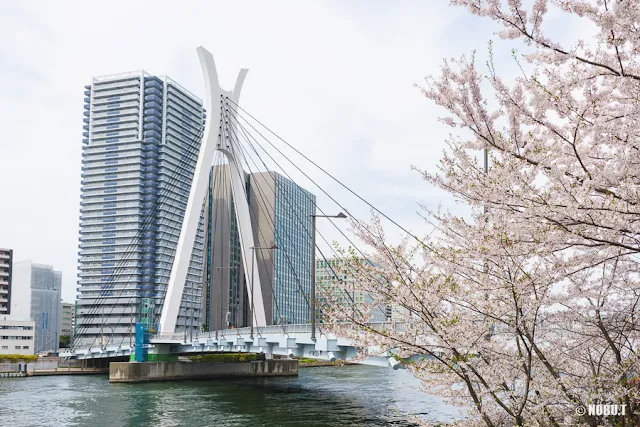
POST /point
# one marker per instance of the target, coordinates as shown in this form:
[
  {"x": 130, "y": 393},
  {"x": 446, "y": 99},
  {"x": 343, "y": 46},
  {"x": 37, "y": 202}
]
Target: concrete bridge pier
[{"x": 137, "y": 372}]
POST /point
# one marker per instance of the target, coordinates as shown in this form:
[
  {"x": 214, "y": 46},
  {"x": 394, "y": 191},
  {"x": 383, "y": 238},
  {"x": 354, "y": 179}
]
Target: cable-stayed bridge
[
  {"x": 259, "y": 294},
  {"x": 282, "y": 340}
]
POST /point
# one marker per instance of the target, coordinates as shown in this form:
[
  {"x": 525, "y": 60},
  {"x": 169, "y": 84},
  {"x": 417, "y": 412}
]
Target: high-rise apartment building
[
  {"x": 141, "y": 142},
  {"x": 6, "y": 263},
  {"x": 36, "y": 296},
  {"x": 280, "y": 214}
]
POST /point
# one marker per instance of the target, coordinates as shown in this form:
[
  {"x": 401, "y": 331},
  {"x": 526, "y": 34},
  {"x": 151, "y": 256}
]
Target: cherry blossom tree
[{"x": 528, "y": 311}]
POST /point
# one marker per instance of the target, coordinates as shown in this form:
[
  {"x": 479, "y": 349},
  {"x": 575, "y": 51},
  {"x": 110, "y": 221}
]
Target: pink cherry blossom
[{"x": 530, "y": 308}]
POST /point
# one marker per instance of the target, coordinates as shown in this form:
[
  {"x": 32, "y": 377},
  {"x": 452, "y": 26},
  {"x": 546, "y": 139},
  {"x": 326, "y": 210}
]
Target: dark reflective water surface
[{"x": 347, "y": 396}]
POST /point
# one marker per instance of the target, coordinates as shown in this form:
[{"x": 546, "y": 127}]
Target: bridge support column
[
  {"x": 214, "y": 139},
  {"x": 127, "y": 372}
]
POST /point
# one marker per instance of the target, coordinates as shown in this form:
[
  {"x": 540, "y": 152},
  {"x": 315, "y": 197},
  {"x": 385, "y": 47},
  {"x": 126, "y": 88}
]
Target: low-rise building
[
  {"x": 335, "y": 281},
  {"x": 399, "y": 313},
  {"x": 17, "y": 335}
]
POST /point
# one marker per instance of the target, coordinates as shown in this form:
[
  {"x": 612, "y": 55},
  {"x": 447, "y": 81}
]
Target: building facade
[
  {"x": 280, "y": 213},
  {"x": 224, "y": 288},
  {"x": 6, "y": 263},
  {"x": 36, "y": 295},
  {"x": 336, "y": 283},
  {"x": 399, "y": 313},
  {"x": 66, "y": 319},
  {"x": 141, "y": 142},
  {"x": 17, "y": 335}
]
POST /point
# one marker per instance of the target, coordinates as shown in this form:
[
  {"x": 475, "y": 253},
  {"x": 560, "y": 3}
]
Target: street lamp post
[
  {"x": 253, "y": 296},
  {"x": 313, "y": 268}
]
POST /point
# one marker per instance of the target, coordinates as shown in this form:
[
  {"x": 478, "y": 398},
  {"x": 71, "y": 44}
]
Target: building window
[
  {"x": 25, "y": 347},
  {"x": 5, "y": 347},
  {"x": 18, "y": 347}
]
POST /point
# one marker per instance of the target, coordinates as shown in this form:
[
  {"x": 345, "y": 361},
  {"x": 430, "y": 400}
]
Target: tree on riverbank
[{"x": 530, "y": 309}]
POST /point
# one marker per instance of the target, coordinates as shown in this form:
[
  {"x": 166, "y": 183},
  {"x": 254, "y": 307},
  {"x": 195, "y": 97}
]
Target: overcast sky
[{"x": 334, "y": 78}]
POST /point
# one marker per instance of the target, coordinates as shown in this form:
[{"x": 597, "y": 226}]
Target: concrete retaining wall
[
  {"x": 19, "y": 366},
  {"x": 132, "y": 372},
  {"x": 46, "y": 364}
]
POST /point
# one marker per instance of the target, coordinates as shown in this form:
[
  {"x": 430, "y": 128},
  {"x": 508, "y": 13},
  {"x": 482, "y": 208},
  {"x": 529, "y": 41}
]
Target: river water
[{"x": 326, "y": 396}]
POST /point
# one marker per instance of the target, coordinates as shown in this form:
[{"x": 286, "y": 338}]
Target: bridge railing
[{"x": 263, "y": 330}]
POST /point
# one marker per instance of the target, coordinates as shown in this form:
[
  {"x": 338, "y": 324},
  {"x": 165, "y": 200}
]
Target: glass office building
[
  {"x": 280, "y": 214},
  {"x": 141, "y": 142}
]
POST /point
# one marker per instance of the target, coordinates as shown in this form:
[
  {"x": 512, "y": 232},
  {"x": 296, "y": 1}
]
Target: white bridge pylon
[{"x": 213, "y": 140}]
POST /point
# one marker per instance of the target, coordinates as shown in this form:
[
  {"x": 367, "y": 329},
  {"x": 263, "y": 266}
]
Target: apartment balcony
[
  {"x": 127, "y": 283},
  {"x": 110, "y": 177},
  {"x": 110, "y": 220},
  {"x": 120, "y": 283},
  {"x": 94, "y": 298},
  {"x": 148, "y": 83},
  {"x": 115, "y": 95},
  {"x": 183, "y": 99},
  {"x": 109, "y": 258},
  {"x": 113, "y": 127},
  {"x": 115, "y": 113},
  {"x": 192, "y": 126},
  {"x": 112, "y": 169},
  {"x": 122, "y": 142},
  {"x": 101, "y": 108},
  {"x": 192, "y": 134},
  {"x": 98, "y": 245},
  {"x": 115, "y": 119},
  {"x": 121, "y": 98},
  {"x": 98, "y": 265},
  {"x": 120, "y": 154},
  {"x": 112, "y": 182},
  {"x": 99, "y": 88},
  {"x": 103, "y": 198},
  {"x": 104, "y": 227},
  {"x": 113, "y": 218},
  {"x": 109, "y": 273},
  {"x": 114, "y": 310},
  {"x": 100, "y": 140},
  {"x": 103, "y": 234},
  {"x": 90, "y": 163},
  {"x": 120, "y": 207}
]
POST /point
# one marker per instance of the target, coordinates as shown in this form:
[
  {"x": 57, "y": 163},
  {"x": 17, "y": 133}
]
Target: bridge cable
[
  {"x": 242, "y": 152},
  {"x": 255, "y": 217},
  {"x": 333, "y": 199},
  {"x": 331, "y": 176},
  {"x": 271, "y": 157},
  {"x": 287, "y": 199}
]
